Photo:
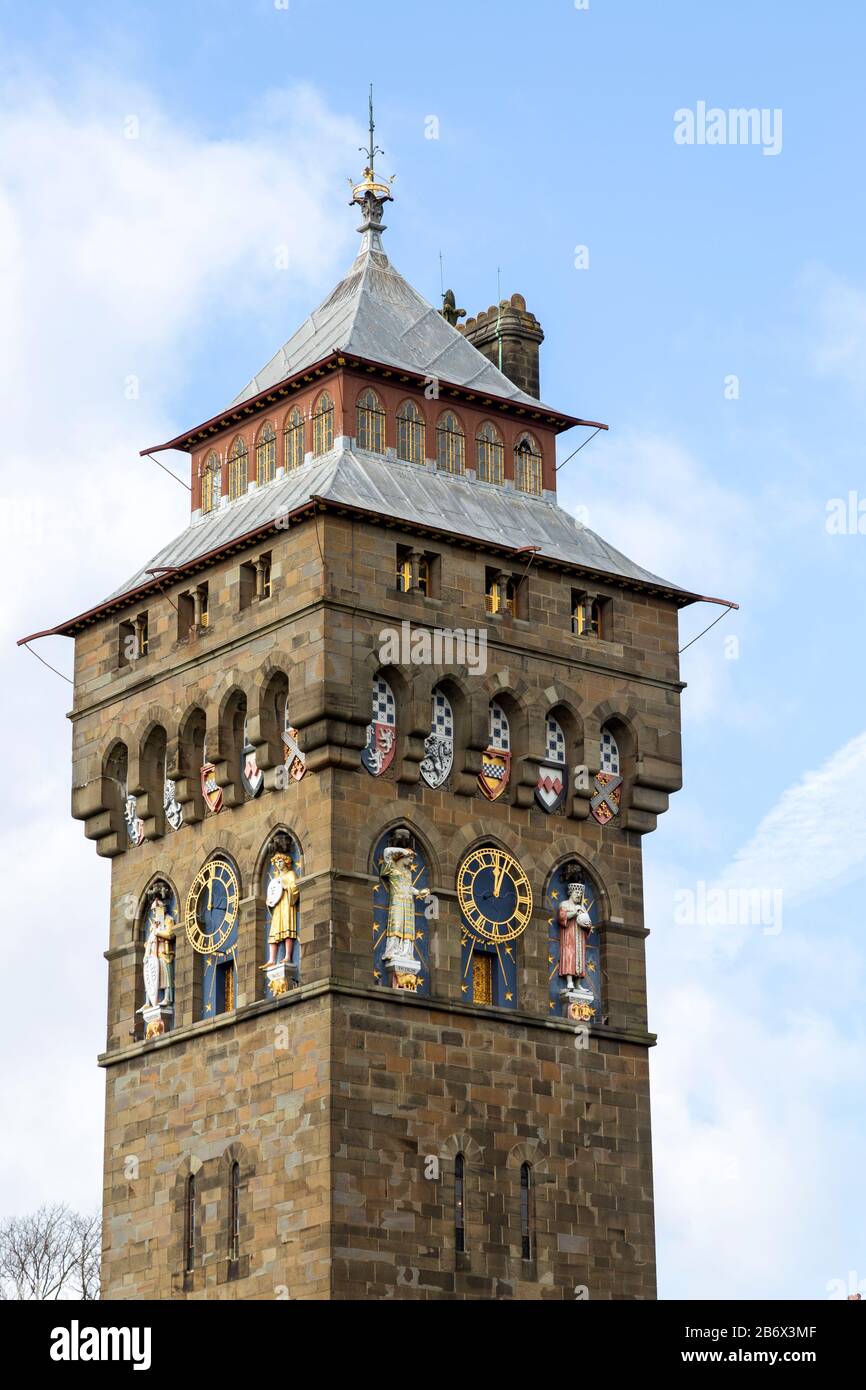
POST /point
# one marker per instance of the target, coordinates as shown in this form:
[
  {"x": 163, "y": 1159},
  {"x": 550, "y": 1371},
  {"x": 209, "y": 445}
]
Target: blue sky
[{"x": 154, "y": 259}]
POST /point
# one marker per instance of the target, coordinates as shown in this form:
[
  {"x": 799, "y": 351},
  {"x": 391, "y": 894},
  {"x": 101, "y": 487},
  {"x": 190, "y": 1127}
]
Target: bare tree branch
[{"x": 53, "y": 1253}]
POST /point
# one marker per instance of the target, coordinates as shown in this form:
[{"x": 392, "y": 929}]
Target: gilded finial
[{"x": 370, "y": 188}]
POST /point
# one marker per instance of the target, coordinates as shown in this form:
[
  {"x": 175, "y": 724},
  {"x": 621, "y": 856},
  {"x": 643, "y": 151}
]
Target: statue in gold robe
[{"x": 282, "y": 899}]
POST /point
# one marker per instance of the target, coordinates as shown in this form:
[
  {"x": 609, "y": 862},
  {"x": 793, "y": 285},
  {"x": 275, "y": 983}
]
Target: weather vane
[{"x": 373, "y": 150}]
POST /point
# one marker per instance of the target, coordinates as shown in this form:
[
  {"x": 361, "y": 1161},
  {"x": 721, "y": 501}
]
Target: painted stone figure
[
  {"x": 158, "y": 962},
  {"x": 282, "y": 900},
  {"x": 282, "y": 897},
  {"x": 398, "y": 870},
  {"x": 574, "y": 927}
]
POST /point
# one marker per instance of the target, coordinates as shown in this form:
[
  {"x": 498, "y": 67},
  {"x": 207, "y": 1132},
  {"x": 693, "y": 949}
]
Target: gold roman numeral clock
[
  {"x": 212, "y": 907},
  {"x": 495, "y": 895}
]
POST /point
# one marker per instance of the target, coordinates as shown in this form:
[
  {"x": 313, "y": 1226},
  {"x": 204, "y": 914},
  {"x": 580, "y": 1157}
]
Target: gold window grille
[
  {"x": 527, "y": 466},
  {"x": 323, "y": 425},
  {"x": 211, "y": 484},
  {"x": 588, "y": 618},
  {"x": 238, "y": 469},
  {"x": 293, "y": 440},
  {"x": 489, "y": 455},
  {"x": 266, "y": 455},
  {"x": 410, "y": 433},
  {"x": 500, "y": 595},
  {"x": 450, "y": 445},
  {"x": 482, "y": 978},
  {"x": 370, "y": 423}
]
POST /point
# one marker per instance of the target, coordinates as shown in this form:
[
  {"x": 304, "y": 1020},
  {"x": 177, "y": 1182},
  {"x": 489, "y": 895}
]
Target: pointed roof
[{"x": 376, "y": 314}]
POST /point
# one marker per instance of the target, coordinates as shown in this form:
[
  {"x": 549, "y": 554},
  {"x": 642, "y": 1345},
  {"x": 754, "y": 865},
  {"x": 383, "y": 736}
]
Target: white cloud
[
  {"x": 840, "y": 349},
  {"x": 756, "y": 1079}
]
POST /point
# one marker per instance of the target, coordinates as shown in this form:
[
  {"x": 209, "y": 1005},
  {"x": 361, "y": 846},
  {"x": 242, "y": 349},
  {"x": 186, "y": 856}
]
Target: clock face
[
  {"x": 212, "y": 906},
  {"x": 495, "y": 895}
]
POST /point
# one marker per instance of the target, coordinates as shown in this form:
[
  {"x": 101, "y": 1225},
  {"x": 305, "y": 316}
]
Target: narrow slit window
[
  {"x": 459, "y": 1204},
  {"x": 189, "y": 1225},
  {"x": 525, "y": 1231},
  {"x": 235, "y": 1212}
]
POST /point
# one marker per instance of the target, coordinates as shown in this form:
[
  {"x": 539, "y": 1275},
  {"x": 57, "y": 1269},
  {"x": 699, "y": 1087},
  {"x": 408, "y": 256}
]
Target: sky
[{"x": 173, "y": 202}]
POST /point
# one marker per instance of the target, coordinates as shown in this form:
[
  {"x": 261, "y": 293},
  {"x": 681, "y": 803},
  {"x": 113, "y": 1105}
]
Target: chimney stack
[{"x": 510, "y": 337}]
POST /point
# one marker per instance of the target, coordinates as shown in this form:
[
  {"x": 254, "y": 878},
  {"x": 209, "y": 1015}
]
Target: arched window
[
  {"x": 266, "y": 455},
  {"x": 235, "y": 1212},
  {"x": 238, "y": 468},
  {"x": 323, "y": 425},
  {"x": 489, "y": 454},
  {"x": 527, "y": 465},
  {"x": 525, "y": 1224},
  {"x": 459, "y": 1204},
  {"x": 189, "y": 1225},
  {"x": 370, "y": 423},
  {"x": 293, "y": 440},
  {"x": 450, "y": 444},
  {"x": 411, "y": 431},
  {"x": 211, "y": 483}
]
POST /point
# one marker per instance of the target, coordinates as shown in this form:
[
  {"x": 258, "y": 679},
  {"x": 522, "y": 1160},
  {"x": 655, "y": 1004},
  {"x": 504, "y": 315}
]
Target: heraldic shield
[
  {"x": 381, "y": 745},
  {"x": 552, "y": 783},
  {"x": 606, "y": 799},
  {"x": 496, "y": 758}
]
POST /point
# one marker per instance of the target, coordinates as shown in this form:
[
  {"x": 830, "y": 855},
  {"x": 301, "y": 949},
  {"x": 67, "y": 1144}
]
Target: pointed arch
[
  {"x": 323, "y": 425},
  {"x": 266, "y": 454},
  {"x": 293, "y": 439},
  {"x": 238, "y": 467},
  {"x": 211, "y": 482},
  {"x": 489, "y": 454},
  {"x": 370, "y": 422},
  {"x": 528, "y": 464},
  {"x": 450, "y": 443},
  {"x": 411, "y": 432}
]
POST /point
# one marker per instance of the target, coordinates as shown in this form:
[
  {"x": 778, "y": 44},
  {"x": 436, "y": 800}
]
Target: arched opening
[
  {"x": 238, "y": 468},
  {"x": 489, "y": 454},
  {"x": 323, "y": 425},
  {"x": 293, "y": 439},
  {"x": 370, "y": 423},
  {"x": 450, "y": 444},
  {"x": 266, "y": 454},
  {"x": 411, "y": 432}
]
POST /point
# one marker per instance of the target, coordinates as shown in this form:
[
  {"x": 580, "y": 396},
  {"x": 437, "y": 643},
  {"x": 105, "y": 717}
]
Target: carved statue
[
  {"x": 449, "y": 310},
  {"x": 158, "y": 966},
  {"x": 574, "y": 926},
  {"x": 398, "y": 868},
  {"x": 282, "y": 899}
]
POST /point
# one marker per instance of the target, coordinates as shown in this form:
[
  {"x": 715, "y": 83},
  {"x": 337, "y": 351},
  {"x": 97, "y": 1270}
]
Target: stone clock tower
[{"x": 371, "y": 747}]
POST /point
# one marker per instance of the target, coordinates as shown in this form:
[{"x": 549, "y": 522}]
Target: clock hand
[
  {"x": 498, "y": 875},
  {"x": 210, "y": 890}
]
